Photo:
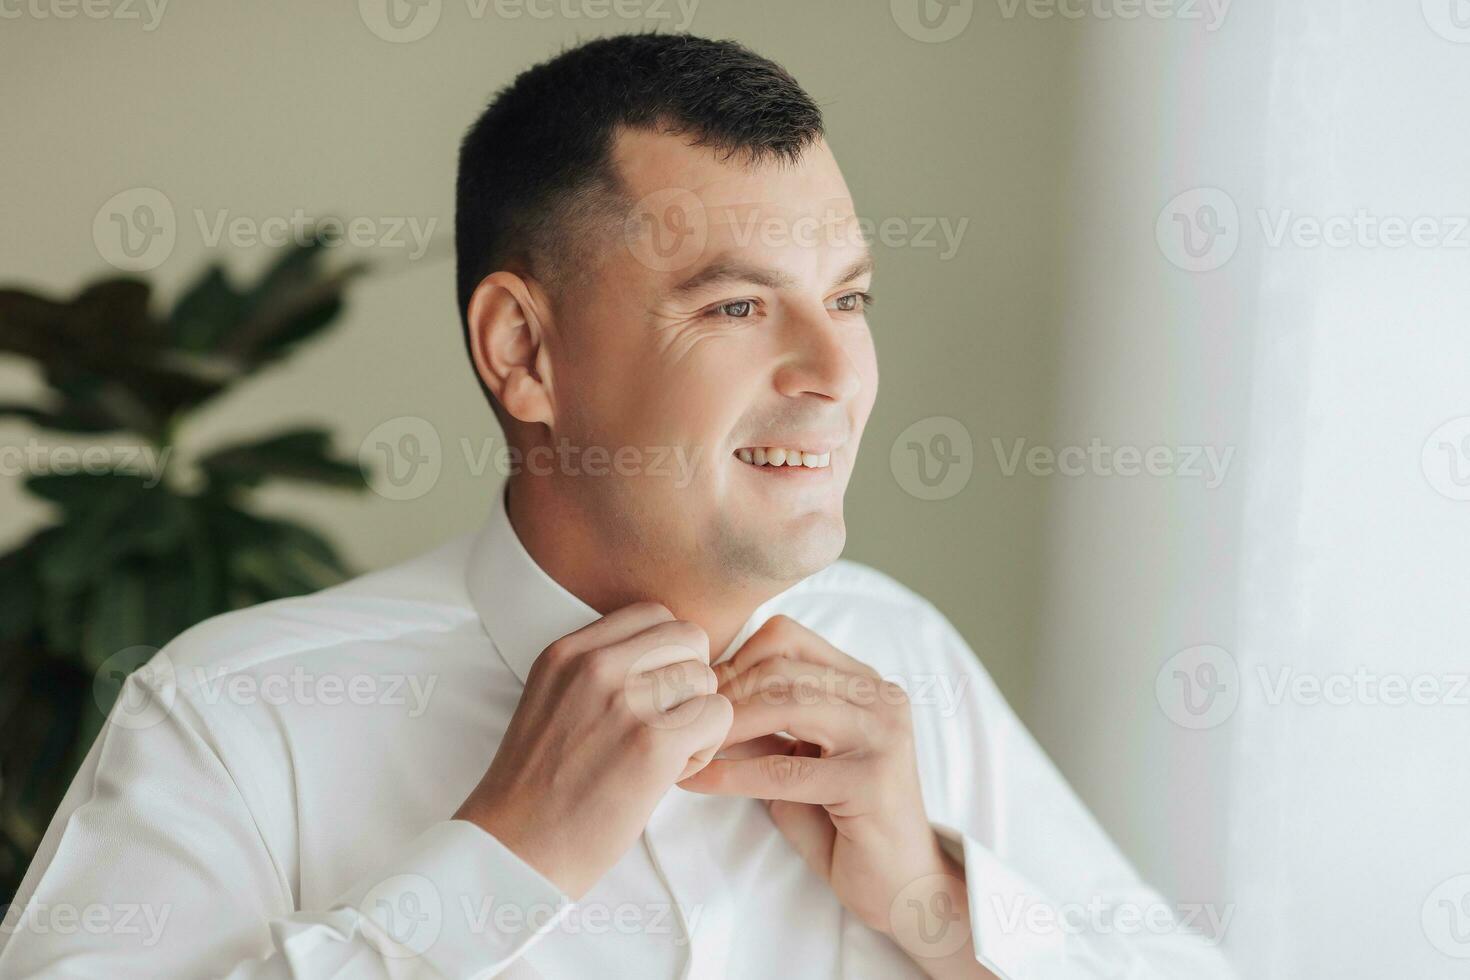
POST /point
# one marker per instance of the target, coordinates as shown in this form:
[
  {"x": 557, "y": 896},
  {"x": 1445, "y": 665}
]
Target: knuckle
[
  {"x": 603, "y": 669},
  {"x": 558, "y": 653},
  {"x": 682, "y": 681},
  {"x": 808, "y": 688},
  {"x": 786, "y": 770},
  {"x": 895, "y": 725},
  {"x": 643, "y": 739},
  {"x": 656, "y": 609},
  {"x": 687, "y": 634},
  {"x": 893, "y": 694},
  {"x": 781, "y": 624}
]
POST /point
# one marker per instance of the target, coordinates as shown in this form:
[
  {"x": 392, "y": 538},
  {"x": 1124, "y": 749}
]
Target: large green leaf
[
  {"x": 72, "y": 416},
  {"x": 207, "y": 311},
  {"x": 301, "y": 454},
  {"x": 84, "y": 491},
  {"x": 110, "y": 314},
  {"x": 109, "y": 517},
  {"x": 102, "y": 352},
  {"x": 293, "y": 300}
]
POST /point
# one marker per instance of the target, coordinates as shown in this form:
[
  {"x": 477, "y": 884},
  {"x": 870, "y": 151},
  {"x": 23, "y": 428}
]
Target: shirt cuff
[
  {"x": 999, "y": 902},
  {"x": 459, "y": 900}
]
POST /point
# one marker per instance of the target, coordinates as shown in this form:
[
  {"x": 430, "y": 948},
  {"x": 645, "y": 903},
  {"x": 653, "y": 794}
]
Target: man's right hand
[{"x": 612, "y": 716}]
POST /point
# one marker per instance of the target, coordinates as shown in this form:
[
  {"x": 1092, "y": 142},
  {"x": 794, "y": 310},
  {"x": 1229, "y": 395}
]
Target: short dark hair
[{"x": 536, "y": 168}]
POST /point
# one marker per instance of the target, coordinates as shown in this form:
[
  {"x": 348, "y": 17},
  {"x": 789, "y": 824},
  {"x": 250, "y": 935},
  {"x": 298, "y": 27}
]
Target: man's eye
[
  {"x": 852, "y": 302},
  {"x": 736, "y": 309}
]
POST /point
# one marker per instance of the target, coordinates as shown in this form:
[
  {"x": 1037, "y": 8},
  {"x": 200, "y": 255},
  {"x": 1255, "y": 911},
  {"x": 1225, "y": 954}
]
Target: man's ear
[{"x": 507, "y": 342}]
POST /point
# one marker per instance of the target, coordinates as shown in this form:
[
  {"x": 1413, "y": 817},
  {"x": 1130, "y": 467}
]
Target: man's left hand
[{"x": 829, "y": 745}]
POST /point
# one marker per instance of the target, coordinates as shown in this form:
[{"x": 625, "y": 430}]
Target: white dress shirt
[{"x": 272, "y": 798}]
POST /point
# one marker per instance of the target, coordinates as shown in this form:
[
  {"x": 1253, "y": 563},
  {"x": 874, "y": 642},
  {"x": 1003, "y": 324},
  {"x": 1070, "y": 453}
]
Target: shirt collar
[{"x": 524, "y": 609}]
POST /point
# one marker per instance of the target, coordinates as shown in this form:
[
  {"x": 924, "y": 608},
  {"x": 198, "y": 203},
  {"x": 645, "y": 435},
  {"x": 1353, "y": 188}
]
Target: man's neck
[{"x": 557, "y": 537}]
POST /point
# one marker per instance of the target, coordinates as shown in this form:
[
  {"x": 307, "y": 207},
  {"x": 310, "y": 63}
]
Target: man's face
[{"x": 728, "y": 318}]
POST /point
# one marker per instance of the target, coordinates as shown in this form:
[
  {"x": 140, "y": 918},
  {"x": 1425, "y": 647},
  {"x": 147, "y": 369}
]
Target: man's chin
[{"x": 803, "y": 547}]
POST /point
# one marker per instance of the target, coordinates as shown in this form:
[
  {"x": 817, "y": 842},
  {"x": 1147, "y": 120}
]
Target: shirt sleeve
[
  {"x": 154, "y": 866},
  {"x": 1050, "y": 896}
]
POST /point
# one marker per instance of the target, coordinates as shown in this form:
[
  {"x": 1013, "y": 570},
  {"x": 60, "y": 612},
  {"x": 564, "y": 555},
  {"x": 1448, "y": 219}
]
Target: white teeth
[{"x": 780, "y": 456}]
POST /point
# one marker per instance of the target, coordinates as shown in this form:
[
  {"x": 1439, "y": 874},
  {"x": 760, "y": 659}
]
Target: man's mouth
[{"x": 772, "y": 457}]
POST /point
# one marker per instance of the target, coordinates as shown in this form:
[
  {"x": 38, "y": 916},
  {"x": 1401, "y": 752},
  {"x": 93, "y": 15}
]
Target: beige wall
[{"x": 262, "y": 109}]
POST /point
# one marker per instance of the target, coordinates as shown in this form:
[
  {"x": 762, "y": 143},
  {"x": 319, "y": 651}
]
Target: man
[{"x": 643, "y": 723}]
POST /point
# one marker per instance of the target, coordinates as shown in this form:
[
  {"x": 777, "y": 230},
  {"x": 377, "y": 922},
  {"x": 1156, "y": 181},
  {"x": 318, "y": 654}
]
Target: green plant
[{"x": 136, "y": 557}]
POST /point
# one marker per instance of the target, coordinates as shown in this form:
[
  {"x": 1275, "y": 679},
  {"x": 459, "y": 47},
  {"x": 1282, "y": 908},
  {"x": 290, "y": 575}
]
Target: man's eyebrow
[
  {"x": 724, "y": 269},
  {"x": 857, "y": 270}
]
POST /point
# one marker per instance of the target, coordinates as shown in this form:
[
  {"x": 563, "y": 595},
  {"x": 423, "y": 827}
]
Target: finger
[
  {"x": 806, "y": 826},
  {"x": 617, "y": 625},
  {"x": 765, "y": 745},
  {"x": 667, "y": 687},
  {"x": 782, "y": 636},
  {"x": 784, "y": 679},
  {"x": 834, "y": 725},
  {"x": 702, "y": 723},
  {"x": 660, "y": 645},
  {"x": 798, "y": 779}
]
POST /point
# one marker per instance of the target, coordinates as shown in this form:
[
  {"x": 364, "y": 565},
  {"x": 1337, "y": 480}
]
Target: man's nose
[{"x": 819, "y": 362}]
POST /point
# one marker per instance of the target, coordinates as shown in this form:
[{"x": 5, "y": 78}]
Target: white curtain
[{"x": 1261, "y": 687}]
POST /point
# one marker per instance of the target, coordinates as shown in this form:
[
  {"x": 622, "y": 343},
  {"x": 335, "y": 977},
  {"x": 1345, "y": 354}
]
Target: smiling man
[{"x": 661, "y": 729}]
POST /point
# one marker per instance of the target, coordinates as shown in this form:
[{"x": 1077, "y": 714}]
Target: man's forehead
[{"x": 657, "y": 165}]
